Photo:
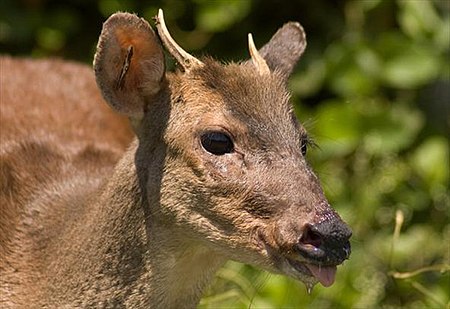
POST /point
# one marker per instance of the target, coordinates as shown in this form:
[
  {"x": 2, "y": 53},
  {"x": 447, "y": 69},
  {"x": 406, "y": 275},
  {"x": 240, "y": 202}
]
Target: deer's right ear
[
  {"x": 129, "y": 63},
  {"x": 285, "y": 48}
]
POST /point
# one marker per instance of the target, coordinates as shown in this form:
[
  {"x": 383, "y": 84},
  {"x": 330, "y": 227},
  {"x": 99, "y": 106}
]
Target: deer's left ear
[
  {"x": 129, "y": 64},
  {"x": 285, "y": 48}
]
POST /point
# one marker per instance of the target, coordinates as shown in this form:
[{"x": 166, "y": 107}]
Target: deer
[{"x": 141, "y": 206}]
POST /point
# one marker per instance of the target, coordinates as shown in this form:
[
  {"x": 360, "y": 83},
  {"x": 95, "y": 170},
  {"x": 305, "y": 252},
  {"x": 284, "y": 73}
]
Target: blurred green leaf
[
  {"x": 5, "y": 32},
  {"x": 410, "y": 244},
  {"x": 407, "y": 64},
  {"x": 412, "y": 69},
  {"x": 352, "y": 81},
  {"x": 370, "y": 4},
  {"x": 391, "y": 130},
  {"x": 309, "y": 81},
  {"x": 442, "y": 36},
  {"x": 431, "y": 161},
  {"x": 50, "y": 39},
  {"x": 216, "y": 16},
  {"x": 108, "y": 7},
  {"x": 418, "y": 18},
  {"x": 353, "y": 69},
  {"x": 338, "y": 131}
]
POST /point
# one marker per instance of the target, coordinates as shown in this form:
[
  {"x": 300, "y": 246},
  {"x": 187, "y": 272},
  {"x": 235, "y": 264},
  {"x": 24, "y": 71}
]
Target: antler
[
  {"x": 186, "y": 60},
  {"x": 258, "y": 61}
]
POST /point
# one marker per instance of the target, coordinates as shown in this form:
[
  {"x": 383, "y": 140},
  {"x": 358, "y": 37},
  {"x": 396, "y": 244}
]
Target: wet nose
[{"x": 326, "y": 242}]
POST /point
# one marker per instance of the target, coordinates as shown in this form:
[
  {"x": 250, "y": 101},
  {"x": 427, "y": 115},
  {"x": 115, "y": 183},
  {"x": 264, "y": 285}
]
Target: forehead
[
  {"x": 260, "y": 102},
  {"x": 244, "y": 90}
]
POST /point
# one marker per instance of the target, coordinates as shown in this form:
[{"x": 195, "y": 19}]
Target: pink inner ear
[
  {"x": 144, "y": 44},
  {"x": 145, "y": 48},
  {"x": 129, "y": 63}
]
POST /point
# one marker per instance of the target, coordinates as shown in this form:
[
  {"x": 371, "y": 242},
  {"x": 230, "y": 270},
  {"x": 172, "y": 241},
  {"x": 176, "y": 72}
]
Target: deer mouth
[
  {"x": 312, "y": 258},
  {"x": 309, "y": 271},
  {"x": 316, "y": 273}
]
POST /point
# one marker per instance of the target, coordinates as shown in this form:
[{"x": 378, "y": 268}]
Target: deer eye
[
  {"x": 304, "y": 145},
  {"x": 217, "y": 143}
]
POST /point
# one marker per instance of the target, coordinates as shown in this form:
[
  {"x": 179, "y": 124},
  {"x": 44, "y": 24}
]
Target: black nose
[{"x": 326, "y": 242}]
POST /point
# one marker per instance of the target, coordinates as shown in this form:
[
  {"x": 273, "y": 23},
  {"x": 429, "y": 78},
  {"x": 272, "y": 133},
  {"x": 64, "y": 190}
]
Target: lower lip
[{"x": 300, "y": 267}]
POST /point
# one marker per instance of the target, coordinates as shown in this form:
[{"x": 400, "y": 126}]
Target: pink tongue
[{"x": 325, "y": 274}]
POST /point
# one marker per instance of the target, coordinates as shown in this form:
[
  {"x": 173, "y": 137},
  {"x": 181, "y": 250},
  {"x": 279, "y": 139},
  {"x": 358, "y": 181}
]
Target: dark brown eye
[
  {"x": 305, "y": 143},
  {"x": 304, "y": 146},
  {"x": 217, "y": 143}
]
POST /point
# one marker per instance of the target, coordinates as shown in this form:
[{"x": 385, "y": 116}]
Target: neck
[{"x": 128, "y": 258}]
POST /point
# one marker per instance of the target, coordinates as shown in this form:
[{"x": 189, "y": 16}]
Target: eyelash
[{"x": 305, "y": 143}]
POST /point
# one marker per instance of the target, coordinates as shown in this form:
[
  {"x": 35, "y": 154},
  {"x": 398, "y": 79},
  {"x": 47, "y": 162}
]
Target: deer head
[{"x": 221, "y": 155}]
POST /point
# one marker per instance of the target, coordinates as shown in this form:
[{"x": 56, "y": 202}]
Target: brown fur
[{"x": 80, "y": 229}]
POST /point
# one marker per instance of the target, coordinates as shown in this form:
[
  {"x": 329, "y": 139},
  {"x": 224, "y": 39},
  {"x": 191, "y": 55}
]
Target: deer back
[{"x": 58, "y": 139}]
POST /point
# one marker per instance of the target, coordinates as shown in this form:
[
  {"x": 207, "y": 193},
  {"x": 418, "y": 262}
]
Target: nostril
[
  {"x": 311, "y": 237},
  {"x": 325, "y": 242}
]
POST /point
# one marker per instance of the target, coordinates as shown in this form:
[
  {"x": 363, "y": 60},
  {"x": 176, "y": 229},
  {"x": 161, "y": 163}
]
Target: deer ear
[
  {"x": 285, "y": 48},
  {"x": 129, "y": 63}
]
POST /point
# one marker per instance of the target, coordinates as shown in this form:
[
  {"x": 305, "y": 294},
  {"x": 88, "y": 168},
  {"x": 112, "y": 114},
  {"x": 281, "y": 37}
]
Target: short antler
[
  {"x": 258, "y": 61},
  {"x": 186, "y": 60}
]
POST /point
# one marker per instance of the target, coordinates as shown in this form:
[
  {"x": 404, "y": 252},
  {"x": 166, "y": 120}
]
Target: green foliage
[
  {"x": 216, "y": 16},
  {"x": 369, "y": 91}
]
